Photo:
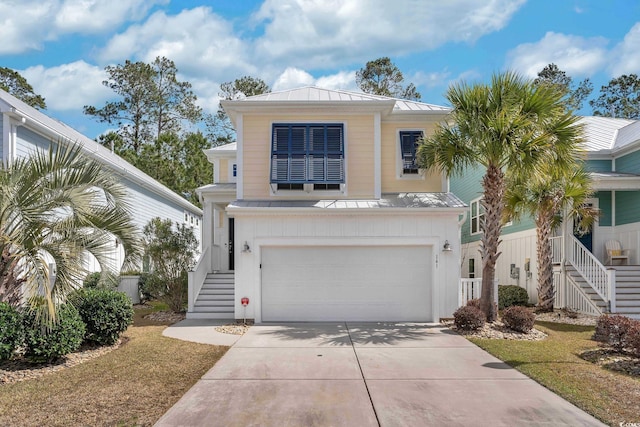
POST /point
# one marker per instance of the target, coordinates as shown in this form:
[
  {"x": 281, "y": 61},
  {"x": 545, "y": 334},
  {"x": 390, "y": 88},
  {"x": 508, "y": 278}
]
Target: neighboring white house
[
  {"x": 319, "y": 212},
  {"x": 24, "y": 129}
]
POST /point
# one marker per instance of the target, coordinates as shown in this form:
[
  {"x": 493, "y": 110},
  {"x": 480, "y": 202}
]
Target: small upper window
[
  {"x": 408, "y": 147},
  {"x": 477, "y": 216},
  {"x": 235, "y": 170}
]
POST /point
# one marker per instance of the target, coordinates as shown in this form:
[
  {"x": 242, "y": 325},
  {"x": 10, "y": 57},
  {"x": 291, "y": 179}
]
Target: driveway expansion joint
[{"x": 366, "y": 386}]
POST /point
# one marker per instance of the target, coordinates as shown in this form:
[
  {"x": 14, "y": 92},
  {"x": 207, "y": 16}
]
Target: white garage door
[{"x": 364, "y": 283}]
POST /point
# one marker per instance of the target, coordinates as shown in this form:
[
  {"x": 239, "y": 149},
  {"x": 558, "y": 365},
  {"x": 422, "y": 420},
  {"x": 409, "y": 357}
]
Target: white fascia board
[
  {"x": 616, "y": 183},
  {"x": 327, "y": 212},
  {"x": 104, "y": 156}
]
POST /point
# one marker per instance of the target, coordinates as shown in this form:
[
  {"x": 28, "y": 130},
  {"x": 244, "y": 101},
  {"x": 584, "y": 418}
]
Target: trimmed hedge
[
  {"x": 100, "y": 280},
  {"x": 11, "y": 330},
  {"x": 509, "y": 295},
  {"x": 106, "y": 314},
  {"x": 49, "y": 342},
  {"x": 518, "y": 318},
  {"x": 469, "y": 318}
]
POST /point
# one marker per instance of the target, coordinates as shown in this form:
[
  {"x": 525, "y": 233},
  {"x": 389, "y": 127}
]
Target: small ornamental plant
[
  {"x": 613, "y": 331},
  {"x": 46, "y": 342},
  {"x": 469, "y": 318},
  {"x": 11, "y": 332},
  {"x": 518, "y": 318},
  {"x": 106, "y": 314},
  {"x": 509, "y": 295}
]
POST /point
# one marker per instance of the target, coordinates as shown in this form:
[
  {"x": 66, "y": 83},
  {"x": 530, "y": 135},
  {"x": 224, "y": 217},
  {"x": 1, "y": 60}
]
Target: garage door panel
[{"x": 346, "y": 283}]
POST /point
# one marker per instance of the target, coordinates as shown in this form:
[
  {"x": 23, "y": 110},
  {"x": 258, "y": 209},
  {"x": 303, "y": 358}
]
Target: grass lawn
[
  {"x": 610, "y": 396},
  {"x": 132, "y": 385}
]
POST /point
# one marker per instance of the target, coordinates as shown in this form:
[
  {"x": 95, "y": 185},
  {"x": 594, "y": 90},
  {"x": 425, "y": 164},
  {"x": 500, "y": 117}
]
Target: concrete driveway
[{"x": 365, "y": 374}]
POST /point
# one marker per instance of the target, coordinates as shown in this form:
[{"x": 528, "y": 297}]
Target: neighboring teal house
[
  {"x": 24, "y": 129},
  {"x": 583, "y": 281}
]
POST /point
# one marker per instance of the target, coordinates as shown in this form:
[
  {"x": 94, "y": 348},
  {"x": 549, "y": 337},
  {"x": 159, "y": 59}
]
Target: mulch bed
[
  {"x": 624, "y": 362},
  {"x": 20, "y": 369}
]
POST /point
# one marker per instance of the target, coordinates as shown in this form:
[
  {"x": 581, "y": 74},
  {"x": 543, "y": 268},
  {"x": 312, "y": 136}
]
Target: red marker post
[{"x": 245, "y": 302}]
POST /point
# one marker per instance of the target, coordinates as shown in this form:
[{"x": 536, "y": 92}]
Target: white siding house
[{"x": 24, "y": 129}]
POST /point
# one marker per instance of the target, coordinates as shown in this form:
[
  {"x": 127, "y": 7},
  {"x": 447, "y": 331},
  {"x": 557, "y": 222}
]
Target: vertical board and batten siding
[
  {"x": 359, "y": 154},
  {"x": 600, "y": 165},
  {"x": 515, "y": 249},
  {"x": 627, "y": 207},
  {"x": 336, "y": 229},
  {"x": 390, "y": 152}
]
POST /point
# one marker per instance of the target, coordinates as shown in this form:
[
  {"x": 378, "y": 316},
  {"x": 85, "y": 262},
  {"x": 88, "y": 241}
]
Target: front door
[
  {"x": 585, "y": 236},
  {"x": 231, "y": 244}
]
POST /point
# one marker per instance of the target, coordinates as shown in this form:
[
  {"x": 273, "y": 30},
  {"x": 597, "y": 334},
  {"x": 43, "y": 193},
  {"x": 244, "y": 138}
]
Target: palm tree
[
  {"x": 59, "y": 206},
  {"x": 510, "y": 124},
  {"x": 546, "y": 196}
]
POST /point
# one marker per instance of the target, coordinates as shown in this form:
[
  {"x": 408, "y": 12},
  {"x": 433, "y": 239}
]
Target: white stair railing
[
  {"x": 197, "y": 276},
  {"x": 570, "y": 295},
  {"x": 556, "y": 249},
  {"x": 595, "y": 274}
]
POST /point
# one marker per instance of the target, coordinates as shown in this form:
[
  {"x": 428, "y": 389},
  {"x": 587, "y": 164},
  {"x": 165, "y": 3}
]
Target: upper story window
[
  {"x": 408, "y": 146},
  {"x": 477, "y": 216},
  {"x": 307, "y": 154},
  {"x": 234, "y": 171}
]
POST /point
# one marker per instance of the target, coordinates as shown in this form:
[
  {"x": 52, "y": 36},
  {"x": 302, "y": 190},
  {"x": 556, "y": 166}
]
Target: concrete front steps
[
  {"x": 216, "y": 298},
  {"x": 627, "y": 290}
]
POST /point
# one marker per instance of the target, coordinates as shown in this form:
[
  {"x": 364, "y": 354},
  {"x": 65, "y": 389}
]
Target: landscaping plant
[
  {"x": 171, "y": 254},
  {"x": 613, "y": 331},
  {"x": 518, "y": 318},
  {"x": 11, "y": 332},
  {"x": 47, "y": 341},
  {"x": 106, "y": 280},
  {"x": 509, "y": 295},
  {"x": 106, "y": 314},
  {"x": 469, "y": 318}
]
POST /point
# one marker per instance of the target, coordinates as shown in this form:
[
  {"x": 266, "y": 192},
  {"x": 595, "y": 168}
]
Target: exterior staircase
[
  {"x": 216, "y": 298},
  {"x": 627, "y": 290}
]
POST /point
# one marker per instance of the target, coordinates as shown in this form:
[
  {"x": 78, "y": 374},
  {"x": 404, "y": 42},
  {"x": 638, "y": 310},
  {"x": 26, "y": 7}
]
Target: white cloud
[
  {"x": 69, "y": 86},
  {"x": 292, "y": 78},
  {"x": 625, "y": 58},
  {"x": 574, "y": 54},
  {"x": 26, "y": 24},
  {"x": 92, "y": 16},
  {"x": 429, "y": 80},
  {"x": 197, "y": 40},
  {"x": 307, "y": 33}
]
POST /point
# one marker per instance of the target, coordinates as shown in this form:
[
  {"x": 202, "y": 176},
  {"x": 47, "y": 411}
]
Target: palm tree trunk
[
  {"x": 546, "y": 291},
  {"x": 493, "y": 202}
]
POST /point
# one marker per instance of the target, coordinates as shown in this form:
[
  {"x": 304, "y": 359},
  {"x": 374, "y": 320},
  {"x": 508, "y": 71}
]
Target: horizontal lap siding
[
  {"x": 257, "y": 153},
  {"x": 391, "y": 183},
  {"x": 224, "y": 170},
  {"x": 629, "y": 163},
  {"x": 29, "y": 141},
  {"x": 598, "y": 165}
]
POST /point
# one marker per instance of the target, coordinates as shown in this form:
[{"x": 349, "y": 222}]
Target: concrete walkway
[
  {"x": 337, "y": 374},
  {"x": 202, "y": 331}
]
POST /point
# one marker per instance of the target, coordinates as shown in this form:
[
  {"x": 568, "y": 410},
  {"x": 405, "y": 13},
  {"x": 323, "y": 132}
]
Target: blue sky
[{"x": 62, "y": 46}]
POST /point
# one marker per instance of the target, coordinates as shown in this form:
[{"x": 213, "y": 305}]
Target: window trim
[
  {"x": 478, "y": 215},
  {"x": 400, "y": 174}
]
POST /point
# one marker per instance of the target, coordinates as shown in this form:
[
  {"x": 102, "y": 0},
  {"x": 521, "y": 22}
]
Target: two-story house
[
  {"x": 583, "y": 279},
  {"x": 319, "y": 212}
]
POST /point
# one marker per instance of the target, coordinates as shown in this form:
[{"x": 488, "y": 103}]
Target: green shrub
[
  {"x": 98, "y": 279},
  {"x": 518, "y": 318},
  {"x": 45, "y": 342},
  {"x": 106, "y": 314},
  {"x": 171, "y": 253},
  {"x": 511, "y": 295},
  {"x": 11, "y": 331},
  {"x": 469, "y": 318},
  {"x": 612, "y": 331}
]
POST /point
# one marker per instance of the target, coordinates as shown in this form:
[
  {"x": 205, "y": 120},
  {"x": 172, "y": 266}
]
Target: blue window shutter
[{"x": 311, "y": 153}]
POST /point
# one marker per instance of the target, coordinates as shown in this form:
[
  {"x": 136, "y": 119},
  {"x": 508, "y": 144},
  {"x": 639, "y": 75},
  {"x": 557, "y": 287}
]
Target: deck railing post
[{"x": 611, "y": 278}]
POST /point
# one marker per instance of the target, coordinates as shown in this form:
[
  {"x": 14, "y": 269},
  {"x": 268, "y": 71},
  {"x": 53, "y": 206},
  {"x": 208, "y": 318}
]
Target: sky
[{"x": 63, "y": 46}]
